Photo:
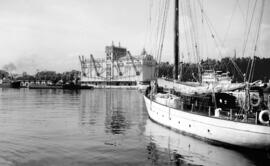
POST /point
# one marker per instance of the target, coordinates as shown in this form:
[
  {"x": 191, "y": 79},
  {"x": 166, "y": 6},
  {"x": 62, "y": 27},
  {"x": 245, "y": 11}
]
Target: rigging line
[
  {"x": 251, "y": 70},
  {"x": 149, "y": 24},
  {"x": 160, "y": 30},
  {"x": 154, "y": 28},
  {"x": 216, "y": 42},
  {"x": 202, "y": 29},
  {"x": 252, "y": 74},
  {"x": 245, "y": 34},
  {"x": 237, "y": 68},
  {"x": 150, "y": 27},
  {"x": 234, "y": 64},
  {"x": 151, "y": 30},
  {"x": 164, "y": 27},
  {"x": 205, "y": 51},
  {"x": 246, "y": 19},
  {"x": 257, "y": 38},
  {"x": 196, "y": 25},
  {"x": 248, "y": 66},
  {"x": 259, "y": 26},
  {"x": 159, "y": 19},
  {"x": 249, "y": 28},
  {"x": 211, "y": 27},
  {"x": 197, "y": 42},
  {"x": 241, "y": 10},
  {"x": 229, "y": 26},
  {"x": 181, "y": 24},
  {"x": 154, "y": 24},
  {"x": 192, "y": 29},
  {"x": 160, "y": 34},
  {"x": 213, "y": 37},
  {"x": 146, "y": 33},
  {"x": 186, "y": 28}
]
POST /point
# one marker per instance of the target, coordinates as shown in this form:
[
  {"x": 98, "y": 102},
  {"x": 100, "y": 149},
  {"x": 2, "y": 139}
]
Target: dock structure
[{"x": 119, "y": 68}]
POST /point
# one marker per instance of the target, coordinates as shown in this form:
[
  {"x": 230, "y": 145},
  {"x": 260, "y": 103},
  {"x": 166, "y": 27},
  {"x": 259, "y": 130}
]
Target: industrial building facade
[{"x": 119, "y": 68}]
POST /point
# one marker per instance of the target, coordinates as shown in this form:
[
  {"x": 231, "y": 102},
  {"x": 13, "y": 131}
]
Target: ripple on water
[{"x": 97, "y": 127}]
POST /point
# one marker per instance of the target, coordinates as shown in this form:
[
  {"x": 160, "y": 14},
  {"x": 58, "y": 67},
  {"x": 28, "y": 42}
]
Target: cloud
[
  {"x": 38, "y": 34},
  {"x": 9, "y": 67},
  {"x": 39, "y": 62}
]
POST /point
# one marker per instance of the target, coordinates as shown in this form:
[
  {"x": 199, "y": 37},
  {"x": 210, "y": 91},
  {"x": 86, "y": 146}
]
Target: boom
[
  {"x": 133, "y": 64},
  {"x": 94, "y": 63}
]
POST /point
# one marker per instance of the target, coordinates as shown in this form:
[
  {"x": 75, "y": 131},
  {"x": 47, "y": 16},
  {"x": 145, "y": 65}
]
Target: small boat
[
  {"x": 15, "y": 84},
  {"x": 10, "y": 84}
]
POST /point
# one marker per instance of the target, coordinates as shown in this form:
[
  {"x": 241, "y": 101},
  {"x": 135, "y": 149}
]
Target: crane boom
[
  {"x": 82, "y": 65},
  {"x": 133, "y": 64},
  {"x": 118, "y": 68},
  {"x": 94, "y": 63}
]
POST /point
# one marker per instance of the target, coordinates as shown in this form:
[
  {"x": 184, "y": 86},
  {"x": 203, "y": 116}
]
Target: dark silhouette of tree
[
  {"x": 190, "y": 70},
  {"x": 3, "y": 74}
]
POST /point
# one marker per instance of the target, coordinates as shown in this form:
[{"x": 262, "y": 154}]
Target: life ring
[
  {"x": 264, "y": 116},
  {"x": 255, "y": 100}
]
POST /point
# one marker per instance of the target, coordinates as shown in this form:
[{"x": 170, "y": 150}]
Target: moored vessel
[
  {"x": 231, "y": 129},
  {"x": 210, "y": 113}
]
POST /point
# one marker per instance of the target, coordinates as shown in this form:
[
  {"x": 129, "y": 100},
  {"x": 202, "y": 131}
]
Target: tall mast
[{"x": 176, "y": 39}]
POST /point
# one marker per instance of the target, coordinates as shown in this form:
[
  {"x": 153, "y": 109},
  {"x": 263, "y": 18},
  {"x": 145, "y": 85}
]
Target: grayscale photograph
[{"x": 134, "y": 82}]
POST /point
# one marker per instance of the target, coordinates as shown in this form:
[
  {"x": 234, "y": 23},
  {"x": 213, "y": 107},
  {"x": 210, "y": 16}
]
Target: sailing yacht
[{"x": 207, "y": 113}]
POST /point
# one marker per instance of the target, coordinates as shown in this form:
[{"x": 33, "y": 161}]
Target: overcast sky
[{"x": 50, "y": 34}]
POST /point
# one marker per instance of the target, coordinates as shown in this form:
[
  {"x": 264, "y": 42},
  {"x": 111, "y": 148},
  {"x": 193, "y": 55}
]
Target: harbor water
[{"x": 58, "y": 127}]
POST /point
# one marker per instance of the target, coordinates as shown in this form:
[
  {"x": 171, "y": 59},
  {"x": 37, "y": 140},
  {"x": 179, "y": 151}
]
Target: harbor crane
[{"x": 83, "y": 65}]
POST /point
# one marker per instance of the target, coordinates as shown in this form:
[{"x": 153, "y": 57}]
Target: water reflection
[
  {"x": 170, "y": 147},
  {"x": 99, "y": 127},
  {"x": 56, "y": 127},
  {"x": 108, "y": 108},
  {"x": 116, "y": 122},
  {"x": 91, "y": 107}
]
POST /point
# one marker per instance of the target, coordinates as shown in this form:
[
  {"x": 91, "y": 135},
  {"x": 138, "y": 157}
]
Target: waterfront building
[{"x": 118, "y": 68}]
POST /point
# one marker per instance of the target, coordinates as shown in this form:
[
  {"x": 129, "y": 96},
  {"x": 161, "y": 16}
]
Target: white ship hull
[
  {"x": 210, "y": 128},
  {"x": 192, "y": 151}
]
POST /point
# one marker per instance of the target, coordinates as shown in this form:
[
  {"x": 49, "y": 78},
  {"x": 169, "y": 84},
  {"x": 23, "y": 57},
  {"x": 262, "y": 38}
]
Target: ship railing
[{"x": 233, "y": 114}]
